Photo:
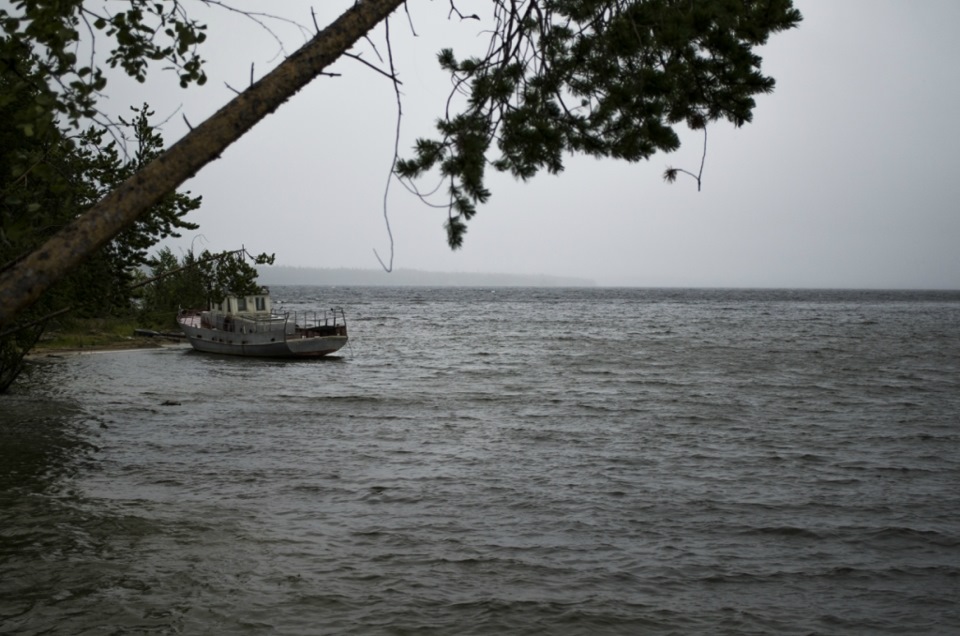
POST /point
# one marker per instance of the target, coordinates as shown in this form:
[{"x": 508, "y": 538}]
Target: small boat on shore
[{"x": 250, "y": 326}]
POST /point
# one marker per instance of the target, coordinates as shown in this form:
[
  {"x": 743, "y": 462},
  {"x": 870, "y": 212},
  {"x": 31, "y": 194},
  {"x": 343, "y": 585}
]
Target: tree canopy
[
  {"x": 48, "y": 177},
  {"x": 609, "y": 78},
  {"x": 44, "y": 36},
  {"x": 598, "y": 77}
]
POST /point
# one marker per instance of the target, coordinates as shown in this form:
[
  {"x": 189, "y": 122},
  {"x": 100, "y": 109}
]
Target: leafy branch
[
  {"x": 670, "y": 174},
  {"x": 606, "y": 78}
]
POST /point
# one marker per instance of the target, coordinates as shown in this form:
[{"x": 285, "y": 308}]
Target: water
[{"x": 522, "y": 461}]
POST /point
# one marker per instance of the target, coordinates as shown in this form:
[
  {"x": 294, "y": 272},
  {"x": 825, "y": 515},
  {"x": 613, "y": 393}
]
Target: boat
[{"x": 251, "y": 326}]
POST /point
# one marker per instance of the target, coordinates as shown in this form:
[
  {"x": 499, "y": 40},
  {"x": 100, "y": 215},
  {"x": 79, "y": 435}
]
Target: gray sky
[{"x": 846, "y": 177}]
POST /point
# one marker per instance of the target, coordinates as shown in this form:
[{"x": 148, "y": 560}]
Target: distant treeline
[{"x": 287, "y": 275}]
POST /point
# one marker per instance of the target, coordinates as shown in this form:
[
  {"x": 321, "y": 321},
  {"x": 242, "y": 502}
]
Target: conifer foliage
[{"x": 608, "y": 78}]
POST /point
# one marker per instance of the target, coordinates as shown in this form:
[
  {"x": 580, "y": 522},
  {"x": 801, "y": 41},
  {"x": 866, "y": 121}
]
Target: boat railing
[
  {"x": 325, "y": 321},
  {"x": 246, "y": 323},
  {"x": 320, "y": 318},
  {"x": 319, "y": 324}
]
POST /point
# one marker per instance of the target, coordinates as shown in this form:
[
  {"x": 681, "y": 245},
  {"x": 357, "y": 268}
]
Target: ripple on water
[{"x": 682, "y": 462}]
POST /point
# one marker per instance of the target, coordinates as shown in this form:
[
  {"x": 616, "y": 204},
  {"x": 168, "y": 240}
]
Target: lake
[{"x": 502, "y": 461}]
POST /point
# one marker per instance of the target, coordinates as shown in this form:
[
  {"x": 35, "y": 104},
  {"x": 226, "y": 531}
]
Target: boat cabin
[
  {"x": 246, "y": 314},
  {"x": 256, "y": 304}
]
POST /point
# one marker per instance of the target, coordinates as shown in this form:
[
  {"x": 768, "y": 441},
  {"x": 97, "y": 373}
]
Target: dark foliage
[{"x": 608, "y": 78}]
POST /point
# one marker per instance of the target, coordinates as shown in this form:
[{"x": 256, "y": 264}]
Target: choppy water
[{"x": 522, "y": 461}]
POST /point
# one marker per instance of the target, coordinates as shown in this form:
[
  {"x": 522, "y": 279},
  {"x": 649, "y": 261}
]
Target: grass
[{"x": 93, "y": 333}]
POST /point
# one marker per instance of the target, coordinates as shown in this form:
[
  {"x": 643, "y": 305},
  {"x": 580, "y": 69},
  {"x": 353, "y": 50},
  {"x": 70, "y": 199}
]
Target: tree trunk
[{"x": 26, "y": 279}]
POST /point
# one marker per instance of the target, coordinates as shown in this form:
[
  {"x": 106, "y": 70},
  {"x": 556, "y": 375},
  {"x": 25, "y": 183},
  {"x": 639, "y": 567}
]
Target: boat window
[{"x": 241, "y": 304}]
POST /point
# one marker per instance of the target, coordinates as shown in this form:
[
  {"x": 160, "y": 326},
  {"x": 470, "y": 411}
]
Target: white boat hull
[{"x": 280, "y": 340}]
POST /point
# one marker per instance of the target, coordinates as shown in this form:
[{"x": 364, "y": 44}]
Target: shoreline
[{"x": 137, "y": 344}]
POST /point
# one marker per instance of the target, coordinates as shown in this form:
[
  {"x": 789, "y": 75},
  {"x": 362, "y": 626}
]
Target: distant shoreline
[{"x": 289, "y": 275}]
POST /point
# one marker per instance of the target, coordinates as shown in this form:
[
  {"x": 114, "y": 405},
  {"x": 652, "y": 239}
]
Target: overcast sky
[{"x": 846, "y": 177}]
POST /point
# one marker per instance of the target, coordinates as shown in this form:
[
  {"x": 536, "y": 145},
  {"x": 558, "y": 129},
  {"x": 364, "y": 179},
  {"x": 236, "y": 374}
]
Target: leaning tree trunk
[{"x": 25, "y": 280}]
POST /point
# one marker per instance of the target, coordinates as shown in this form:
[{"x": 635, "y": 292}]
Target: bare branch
[
  {"x": 406, "y": 10},
  {"x": 390, "y": 76},
  {"x": 670, "y": 174},
  {"x": 396, "y": 149},
  {"x": 455, "y": 10},
  {"x": 260, "y": 19}
]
